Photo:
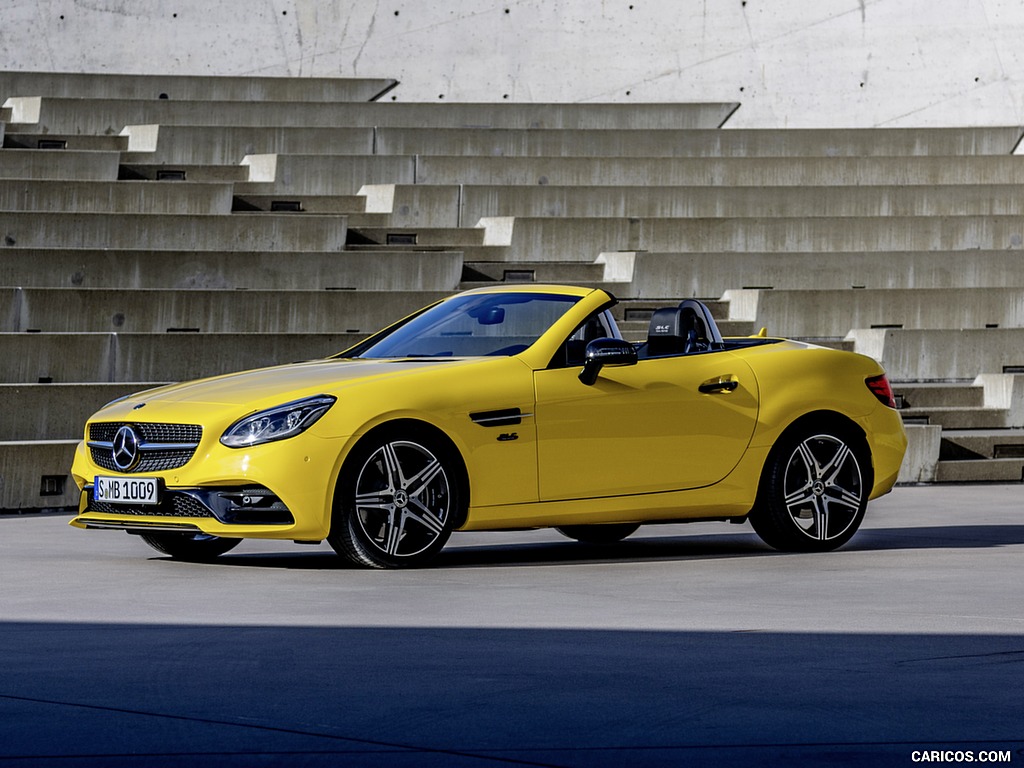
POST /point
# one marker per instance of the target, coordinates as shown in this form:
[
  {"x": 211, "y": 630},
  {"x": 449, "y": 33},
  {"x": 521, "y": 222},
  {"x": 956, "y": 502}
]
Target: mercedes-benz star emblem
[{"x": 125, "y": 448}]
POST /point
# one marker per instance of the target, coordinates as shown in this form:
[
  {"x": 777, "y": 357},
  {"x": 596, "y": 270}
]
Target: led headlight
[{"x": 277, "y": 423}]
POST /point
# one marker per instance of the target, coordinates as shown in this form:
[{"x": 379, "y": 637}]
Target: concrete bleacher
[
  {"x": 76, "y": 165},
  {"x": 43, "y": 358},
  {"x": 692, "y": 142},
  {"x": 138, "y": 268},
  {"x": 562, "y": 238},
  {"x": 168, "y": 310},
  {"x": 832, "y": 313},
  {"x": 721, "y": 171},
  {"x": 189, "y": 143},
  {"x": 107, "y": 116},
  {"x": 453, "y": 205},
  {"x": 78, "y": 85},
  {"x": 657, "y": 274},
  {"x": 51, "y": 195},
  {"x": 178, "y": 143},
  {"x": 233, "y": 225},
  {"x": 212, "y": 232}
]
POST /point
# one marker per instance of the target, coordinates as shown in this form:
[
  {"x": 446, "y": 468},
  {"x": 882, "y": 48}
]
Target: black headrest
[{"x": 675, "y": 322}]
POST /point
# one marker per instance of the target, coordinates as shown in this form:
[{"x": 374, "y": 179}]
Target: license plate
[{"x": 126, "y": 490}]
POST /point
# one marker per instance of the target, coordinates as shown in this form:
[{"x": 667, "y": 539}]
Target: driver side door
[{"x": 669, "y": 423}]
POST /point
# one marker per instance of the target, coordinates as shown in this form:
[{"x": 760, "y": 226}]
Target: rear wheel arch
[
  {"x": 828, "y": 452},
  {"x": 822, "y": 421}
]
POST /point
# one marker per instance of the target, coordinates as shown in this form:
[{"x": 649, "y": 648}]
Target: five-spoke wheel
[
  {"x": 397, "y": 502},
  {"x": 814, "y": 491}
]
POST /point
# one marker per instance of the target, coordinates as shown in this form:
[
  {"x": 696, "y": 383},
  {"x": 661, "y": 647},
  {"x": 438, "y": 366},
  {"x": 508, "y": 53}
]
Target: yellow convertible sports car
[{"x": 501, "y": 408}]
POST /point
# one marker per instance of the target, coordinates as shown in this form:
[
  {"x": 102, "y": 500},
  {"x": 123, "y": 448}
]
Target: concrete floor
[{"x": 685, "y": 645}]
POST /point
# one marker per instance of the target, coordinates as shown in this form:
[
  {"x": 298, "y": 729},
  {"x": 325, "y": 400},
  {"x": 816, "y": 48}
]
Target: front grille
[
  {"x": 184, "y": 437},
  {"x": 149, "y": 432},
  {"x": 174, "y": 505},
  {"x": 248, "y": 505}
]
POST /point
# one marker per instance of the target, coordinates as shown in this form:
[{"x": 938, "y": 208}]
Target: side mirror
[{"x": 602, "y": 352}]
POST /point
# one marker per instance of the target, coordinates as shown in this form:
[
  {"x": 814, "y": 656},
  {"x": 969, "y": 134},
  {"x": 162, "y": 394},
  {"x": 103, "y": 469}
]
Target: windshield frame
[{"x": 478, "y": 323}]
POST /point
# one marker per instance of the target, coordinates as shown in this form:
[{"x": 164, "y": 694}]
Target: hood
[{"x": 265, "y": 387}]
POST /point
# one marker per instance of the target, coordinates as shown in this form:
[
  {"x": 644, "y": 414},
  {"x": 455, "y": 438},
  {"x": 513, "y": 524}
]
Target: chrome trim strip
[
  {"x": 112, "y": 525},
  {"x": 484, "y": 420},
  {"x": 102, "y": 444}
]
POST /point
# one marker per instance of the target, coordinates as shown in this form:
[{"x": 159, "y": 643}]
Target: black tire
[
  {"x": 397, "y": 501},
  {"x": 599, "y": 534},
  {"x": 814, "y": 490},
  {"x": 193, "y": 547}
]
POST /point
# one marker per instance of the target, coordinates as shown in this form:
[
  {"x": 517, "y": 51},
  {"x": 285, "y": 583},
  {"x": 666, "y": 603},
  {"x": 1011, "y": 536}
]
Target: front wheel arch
[
  {"x": 400, "y": 493},
  {"x": 415, "y": 427}
]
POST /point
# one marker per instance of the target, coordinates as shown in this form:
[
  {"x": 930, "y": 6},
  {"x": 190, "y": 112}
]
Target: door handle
[{"x": 716, "y": 386}]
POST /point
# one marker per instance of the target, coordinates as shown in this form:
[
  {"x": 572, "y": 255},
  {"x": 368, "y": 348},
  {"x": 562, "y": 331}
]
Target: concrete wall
[{"x": 791, "y": 63}]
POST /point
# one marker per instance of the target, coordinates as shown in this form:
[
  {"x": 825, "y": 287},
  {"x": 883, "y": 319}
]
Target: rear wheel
[
  {"x": 814, "y": 491},
  {"x": 599, "y": 534},
  {"x": 398, "y": 500},
  {"x": 194, "y": 547}
]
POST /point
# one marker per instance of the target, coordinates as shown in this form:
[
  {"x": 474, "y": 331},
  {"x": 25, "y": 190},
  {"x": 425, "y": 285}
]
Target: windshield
[{"x": 474, "y": 325}]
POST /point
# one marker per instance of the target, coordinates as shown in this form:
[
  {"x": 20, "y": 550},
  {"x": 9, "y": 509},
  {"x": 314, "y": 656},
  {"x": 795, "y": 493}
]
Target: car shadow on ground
[{"x": 641, "y": 548}]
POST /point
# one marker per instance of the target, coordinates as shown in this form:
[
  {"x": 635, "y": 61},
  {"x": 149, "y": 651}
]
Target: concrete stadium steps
[
  {"x": 983, "y": 443},
  {"x": 310, "y": 175},
  {"x": 992, "y": 400},
  {"x": 57, "y": 411},
  {"x": 482, "y": 273},
  {"x": 957, "y": 418},
  {"x": 913, "y": 397},
  {"x": 981, "y": 455},
  {"x": 228, "y": 144},
  {"x": 67, "y": 310},
  {"x": 832, "y": 313},
  {"x": 352, "y": 206},
  {"x": 721, "y": 172},
  {"x": 153, "y": 231},
  {"x": 453, "y": 205},
  {"x": 690, "y": 142},
  {"x": 418, "y": 236},
  {"x": 67, "y": 164},
  {"x": 180, "y": 172},
  {"x": 132, "y": 357},
  {"x": 653, "y": 202},
  {"x": 134, "y": 269},
  {"x": 115, "y": 196},
  {"x": 109, "y": 116},
  {"x": 942, "y": 355},
  {"x": 66, "y": 141},
  {"x": 191, "y": 143},
  {"x": 79, "y": 85},
  {"x": 712, "y": 273},
  {"x": 922, "y": 456},
  {"x": 35, "y": 475},
  {"x": 566, "y": 239}
]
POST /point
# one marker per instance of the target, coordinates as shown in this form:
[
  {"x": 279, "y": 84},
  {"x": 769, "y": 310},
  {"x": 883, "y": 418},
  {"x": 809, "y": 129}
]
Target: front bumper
[{"x": 280, "y": 490}]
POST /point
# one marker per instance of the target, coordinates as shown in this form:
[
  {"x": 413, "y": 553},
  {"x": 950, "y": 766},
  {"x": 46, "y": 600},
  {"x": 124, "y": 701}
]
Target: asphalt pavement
[{"x": 683, "y": 646}]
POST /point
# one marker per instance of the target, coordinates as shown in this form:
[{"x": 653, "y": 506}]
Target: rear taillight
[{"x": 879, "y": 386}]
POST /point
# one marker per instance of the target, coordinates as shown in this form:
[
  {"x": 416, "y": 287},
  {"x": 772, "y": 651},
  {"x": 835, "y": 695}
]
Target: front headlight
[{"x": 278, "y": 423}]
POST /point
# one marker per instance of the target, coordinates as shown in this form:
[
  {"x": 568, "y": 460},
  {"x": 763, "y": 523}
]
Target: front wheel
[
  {"x": 397, "y": 502},
  {"x": 814, "y": 491},
  {"x": 193, "y": 547}
]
